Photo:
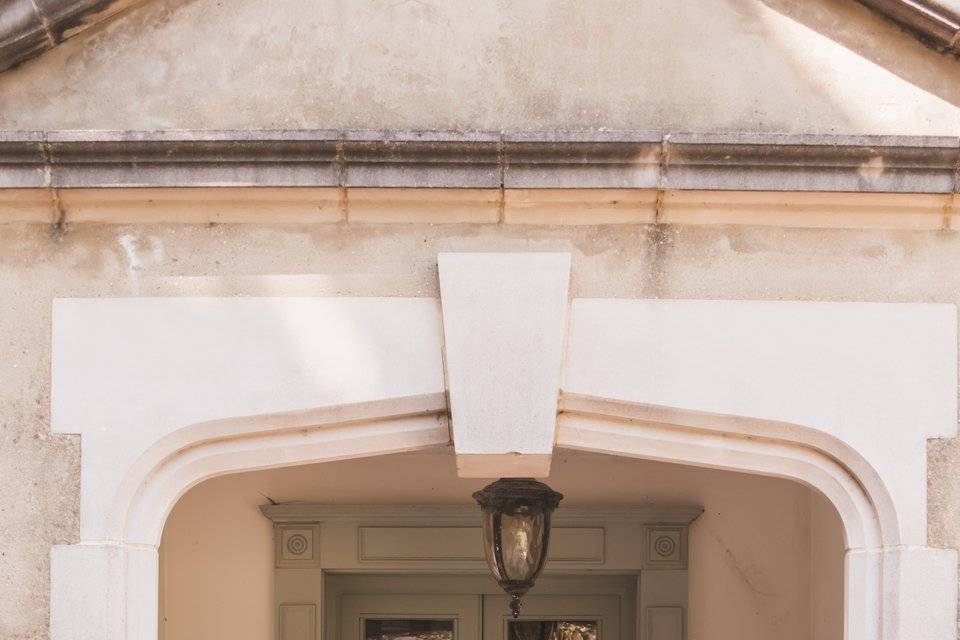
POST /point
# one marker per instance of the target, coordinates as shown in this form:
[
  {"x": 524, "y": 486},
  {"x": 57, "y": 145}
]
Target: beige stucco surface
[
  {"x": 40, "y": 472},
  {"x": 732, "y": 65},
  {"x": 759, "y": 559}
]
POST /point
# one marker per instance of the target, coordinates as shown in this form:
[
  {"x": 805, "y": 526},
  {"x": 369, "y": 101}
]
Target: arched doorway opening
[{"x": 765, "y": 557}]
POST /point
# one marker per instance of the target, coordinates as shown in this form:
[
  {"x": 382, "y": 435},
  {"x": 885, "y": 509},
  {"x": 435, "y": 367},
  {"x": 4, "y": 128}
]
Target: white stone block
[
  {"x": 880, "y": 378},
  {"x": 87, "y": 592},
  {"x": 103, "y": 591},
  {"x": 922, "y": 591},
  {"x": 504, "y": 322},
  {"x": 128, "y": 373},
  {"x": 142, "y": 574},
  {"x": 862, "y": 587}
]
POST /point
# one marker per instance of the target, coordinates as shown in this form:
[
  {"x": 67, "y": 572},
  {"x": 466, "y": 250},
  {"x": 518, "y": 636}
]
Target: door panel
[
  {"x": 553, "y": 617},
  {"x": 410, "y": 617}
]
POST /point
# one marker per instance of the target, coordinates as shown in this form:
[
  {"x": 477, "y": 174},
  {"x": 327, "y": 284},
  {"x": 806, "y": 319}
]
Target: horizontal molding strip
[
  {"x": 555, "y": 206},
  {"x": 469, "y": 515},
  {"x": 479, "y": 160}
]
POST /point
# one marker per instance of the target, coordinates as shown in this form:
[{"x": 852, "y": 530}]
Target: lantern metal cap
[{"x": 508, "y": 493}]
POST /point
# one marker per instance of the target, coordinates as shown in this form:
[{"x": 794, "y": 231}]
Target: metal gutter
[
  {"x": 479, "y": 159},
  {"x": 935, "y": 21}
]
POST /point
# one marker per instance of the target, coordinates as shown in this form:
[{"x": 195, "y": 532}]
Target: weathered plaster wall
[
  {"x": 40, "y": 472},
  {"x": 730, "y": 65},
  {"x": 759, "y": 560}
]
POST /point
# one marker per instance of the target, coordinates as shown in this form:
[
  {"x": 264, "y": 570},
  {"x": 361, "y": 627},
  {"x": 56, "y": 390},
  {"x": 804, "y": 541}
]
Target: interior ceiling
[{"x": 430, "y": 477}]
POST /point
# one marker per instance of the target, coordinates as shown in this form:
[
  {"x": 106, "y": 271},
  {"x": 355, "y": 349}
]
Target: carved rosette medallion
[
  {"x": 297, "y": 545},
  {"x": 665, "y": 547}
]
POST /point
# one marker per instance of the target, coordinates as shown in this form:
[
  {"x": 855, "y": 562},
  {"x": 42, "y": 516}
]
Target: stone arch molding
[{"x": 166, "y": 393}]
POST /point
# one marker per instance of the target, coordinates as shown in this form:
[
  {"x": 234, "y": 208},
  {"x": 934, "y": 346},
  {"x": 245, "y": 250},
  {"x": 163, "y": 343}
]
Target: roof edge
[
  {"x": 935, "y": 21},
  {"x": 29, "y": 28}
]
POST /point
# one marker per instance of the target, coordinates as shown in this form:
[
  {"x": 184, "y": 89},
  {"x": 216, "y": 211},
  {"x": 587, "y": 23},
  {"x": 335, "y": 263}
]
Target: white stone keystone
[{"x": 504, "y": 322}]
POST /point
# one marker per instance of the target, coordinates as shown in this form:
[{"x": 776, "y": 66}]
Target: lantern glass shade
[
  {"x": 522, "y": 544},
  {"x": 516, "y": 532}
]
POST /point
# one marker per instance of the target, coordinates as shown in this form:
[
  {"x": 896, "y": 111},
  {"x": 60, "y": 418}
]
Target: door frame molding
[
  {"x": 623, "y": 586},
  {"x": 312, "y": 540}
]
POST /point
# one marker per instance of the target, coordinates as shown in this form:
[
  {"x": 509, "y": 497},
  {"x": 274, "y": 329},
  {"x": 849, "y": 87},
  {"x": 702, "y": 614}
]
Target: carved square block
[
  {"x": 665, "y": 547},
  {"x": 298, "y": 545}
]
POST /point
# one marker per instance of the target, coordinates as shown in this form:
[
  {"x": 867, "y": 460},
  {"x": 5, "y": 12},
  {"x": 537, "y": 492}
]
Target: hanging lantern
[{"x": 516, "y": 531}]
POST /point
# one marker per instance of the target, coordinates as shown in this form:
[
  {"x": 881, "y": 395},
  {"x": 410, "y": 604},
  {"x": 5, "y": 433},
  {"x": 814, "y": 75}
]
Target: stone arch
[
  {"x": 836, "y": 383},
  {"x": 203, "y": 451},
  {"x": 764, "y": 447},
  {"x": 195, "y": 453}
]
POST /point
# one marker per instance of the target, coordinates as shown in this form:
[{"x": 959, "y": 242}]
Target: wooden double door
[{"x": 473, "y": 608}]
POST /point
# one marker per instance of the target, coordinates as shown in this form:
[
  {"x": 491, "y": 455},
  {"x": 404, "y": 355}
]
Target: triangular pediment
[{"x": 679, "y": 65}]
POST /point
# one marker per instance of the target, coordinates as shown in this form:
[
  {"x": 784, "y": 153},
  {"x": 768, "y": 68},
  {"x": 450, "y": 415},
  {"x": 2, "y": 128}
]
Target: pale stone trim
[
  {"x": 580, "y": 206},
  {"x": 109, "y": 590},
  {"x": 164, "y": 364},
  {"x": 880, "y": 377},
  {"x": 167, "y": 465},
  {"x": 766, "y": 447},
  {"x": 172, "y": 479},
  {"x": 850, "y": 394},
  {"x": 278, "y": 205},
  {"x": 815, "y": 210},
  {"x": 476, "y": 206},
  {"x": 506, "y": 465},
  {"x": 884, "y": 580},
  {"x": 504, "y": 328},
  {"x": 563, "y": 207}
]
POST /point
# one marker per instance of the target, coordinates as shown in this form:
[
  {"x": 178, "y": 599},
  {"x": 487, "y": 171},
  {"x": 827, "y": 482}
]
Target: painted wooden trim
[
  {"x": 664, "y": 623},
  {"x": 469, "y": 514},
  {"x": 411, "y": 539},
  {"x": 298, "y": 621},
  {"x": 378, "y": 544},
  {"x": 297, "y": 545},
  {"x": 624, "y": 586}
]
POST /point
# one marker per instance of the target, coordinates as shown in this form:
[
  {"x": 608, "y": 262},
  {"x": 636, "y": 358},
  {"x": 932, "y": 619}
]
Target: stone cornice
[{"x": 492, "y": 160}]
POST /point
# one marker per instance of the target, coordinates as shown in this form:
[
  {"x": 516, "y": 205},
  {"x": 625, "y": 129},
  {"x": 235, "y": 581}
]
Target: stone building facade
[{"x": 707, "y": 248}]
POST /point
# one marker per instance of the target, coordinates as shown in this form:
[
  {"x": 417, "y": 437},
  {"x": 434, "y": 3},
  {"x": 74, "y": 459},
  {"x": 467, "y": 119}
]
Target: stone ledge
[
  {"x": 882, "y": 164},
  {"x": 545, "y": 207},
  {"x": 479, "y": 160}
]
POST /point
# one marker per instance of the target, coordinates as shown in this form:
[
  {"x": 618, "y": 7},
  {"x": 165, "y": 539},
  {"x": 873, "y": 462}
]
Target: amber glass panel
[
  {"x": 488, "y": 552},
  {"x": 552, "y": 630},
  {"x": 522, "y": 538},
  {"x": 407, "y": 629}
]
